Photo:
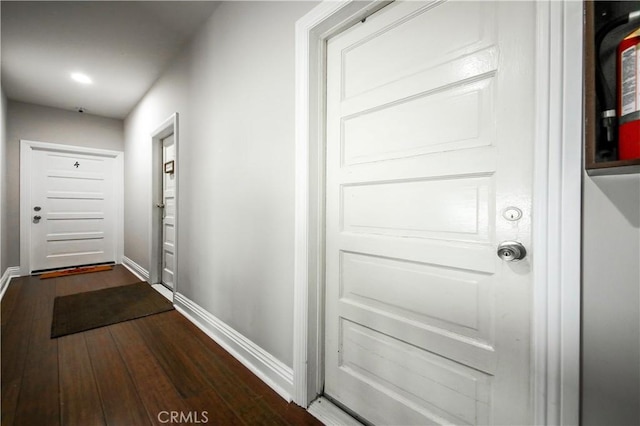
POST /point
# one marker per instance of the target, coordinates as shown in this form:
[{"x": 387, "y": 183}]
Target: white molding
[
  {"x": 11, "y": 272},
  {"x": 557, "y": 201},
  {"x": 312, "y": 30},
  {"x": 264, "y": 365},
  {"x": 540, "y": 212},
  {"x": 557, "y": 214},
  {"x": 330, "y": 414},
  {"x": 26, "y": 146},
  {"x": 168, "y": 294},
  {"x": 168, "y": 127},
  {"x": 135, "y": 269}
]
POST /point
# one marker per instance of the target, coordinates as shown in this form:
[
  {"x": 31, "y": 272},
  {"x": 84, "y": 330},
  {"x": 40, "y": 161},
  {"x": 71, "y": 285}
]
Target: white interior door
[
  {"x": 73, "y": 209},
  {"x": 169, "y": 211},
  {"x": 429, "y": 144}
]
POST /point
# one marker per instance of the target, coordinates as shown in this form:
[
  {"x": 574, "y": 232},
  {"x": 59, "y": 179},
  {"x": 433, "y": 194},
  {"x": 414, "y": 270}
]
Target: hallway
[{"x": 155, "y": 370}]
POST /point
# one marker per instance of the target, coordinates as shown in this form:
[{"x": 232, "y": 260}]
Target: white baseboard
[
  {"x": 168, "y": 294},
  {"x": 264, "y": 365},
  {"x": 11, "y": 272},
  {"x": 135, "y": 269}
]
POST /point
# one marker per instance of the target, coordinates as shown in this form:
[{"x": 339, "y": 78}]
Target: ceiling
[{"x": 123, "y": 46}]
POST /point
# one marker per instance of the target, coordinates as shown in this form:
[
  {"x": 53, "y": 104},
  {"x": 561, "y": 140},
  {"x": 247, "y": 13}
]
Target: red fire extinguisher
[{"x": 628, "y": 94}]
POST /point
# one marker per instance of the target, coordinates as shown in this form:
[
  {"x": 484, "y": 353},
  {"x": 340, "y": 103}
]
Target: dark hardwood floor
[{"x": 155, "y": 370}]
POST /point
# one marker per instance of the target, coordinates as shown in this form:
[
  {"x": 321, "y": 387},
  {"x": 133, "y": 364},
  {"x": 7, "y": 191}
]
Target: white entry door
[
  {"x": 430, "y": 123},
  {"x": 72, "y": 209},
  {"x": 169, "y": 211}
]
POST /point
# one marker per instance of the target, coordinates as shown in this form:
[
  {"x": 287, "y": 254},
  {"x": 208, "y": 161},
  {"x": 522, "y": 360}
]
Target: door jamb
[
  {"x": 557, "y": 203},
  {"x": 26, "y": 148},
  {"x": 312, "y": 31},
  {"x": 557, "y": 213},
  {"x": 169, "y": 126}
]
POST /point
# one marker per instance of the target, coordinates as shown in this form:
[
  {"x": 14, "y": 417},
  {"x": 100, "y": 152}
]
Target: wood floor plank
[
  {"x": 16, "y": 336},
  {"x": 292, "y": 413},
  {"x": 73, "y": 284},
  {"x": 39, "y": 401},
  {"x": 175, "y": 360},
  {"x": 118, "y": 394},
  {"x": 9, "y": 300},
  {"x": 79, "y": 397},
  {"x": 154, "y": 387},
  {"x": 248, "y": 405},
  {"x": 10, "y": 394},
  {"x": 209, "y": 404},
  {"x": 121, "y": 276}
]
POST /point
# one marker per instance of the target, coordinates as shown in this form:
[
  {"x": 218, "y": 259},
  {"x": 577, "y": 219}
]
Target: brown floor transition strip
[{"x": 75, "y": 271}]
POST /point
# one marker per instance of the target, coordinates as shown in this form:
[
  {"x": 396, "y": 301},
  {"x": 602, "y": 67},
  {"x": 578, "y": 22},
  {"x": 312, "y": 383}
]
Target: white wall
[
  {"x": 4, "y": 264},
  {"x": 611, "y": 301},
  {"x": 167, "y": 96},
  {"x": 233, "y": 87},
  {"x": 44, "y": 124}
]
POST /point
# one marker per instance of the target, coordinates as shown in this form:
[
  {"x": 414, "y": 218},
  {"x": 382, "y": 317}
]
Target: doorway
[
  {"x": 164, "y": 205},
  {"x": 556, "y": 176},
  {"x": 71, "y": 206}
]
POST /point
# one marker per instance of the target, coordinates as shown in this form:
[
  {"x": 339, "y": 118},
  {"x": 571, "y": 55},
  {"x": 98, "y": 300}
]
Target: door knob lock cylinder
[{"x": 511, "y": 251}]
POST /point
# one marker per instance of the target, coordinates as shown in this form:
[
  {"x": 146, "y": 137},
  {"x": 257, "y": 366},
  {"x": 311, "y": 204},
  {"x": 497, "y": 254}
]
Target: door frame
[
  {"x": 556, "y": 212},
  {"x": 169, "y": 126},
  {"x": 26, "y": 149}
]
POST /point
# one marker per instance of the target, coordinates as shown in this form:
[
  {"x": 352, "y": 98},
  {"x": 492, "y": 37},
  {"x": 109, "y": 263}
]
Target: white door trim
[
  {"x": 312, "y": 31},
  {"x": 558, "y": 213},
  {"x": 169, "y": 126},
  {"x": 557, "y": 203},
  {"x": 26, "y": 146}
]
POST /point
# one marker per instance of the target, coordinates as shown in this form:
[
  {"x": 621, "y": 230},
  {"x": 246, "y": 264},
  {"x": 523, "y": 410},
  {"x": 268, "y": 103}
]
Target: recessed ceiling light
[{"x": 81, "y": 78}]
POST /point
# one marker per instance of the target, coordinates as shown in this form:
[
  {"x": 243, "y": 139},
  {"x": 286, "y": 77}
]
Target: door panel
[
  {"x": 439, "y": 390},
  {"x": 426, "y": 124},
  {"x": 428, "y": 140},
  {"x": 75, "y": 194},
  {"x": 376, "y": 58},
  {"x": 169, "y": 213},
  {"x": 423, "y": 293},
  {"x": 457, "y": 210}
]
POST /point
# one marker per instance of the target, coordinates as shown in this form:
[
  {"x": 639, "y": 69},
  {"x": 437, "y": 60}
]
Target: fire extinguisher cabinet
[{"x": 612, "y": 87}]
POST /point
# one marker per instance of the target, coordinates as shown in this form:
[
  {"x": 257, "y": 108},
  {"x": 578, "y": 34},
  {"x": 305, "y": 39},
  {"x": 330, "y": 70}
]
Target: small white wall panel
[
  {"x": 379, "y": 59},
  {"x": 79, "y": 205},
  {"x": 82, "y": 248},
  {"x": 456, "y": 209},
  {"x": 429, "y": 123},
  {"x": 169, "y": 234},
  {"x": 65, "y": 182},
  {"x": 417, "y": 292},
  {"x": 78, "y": 225},
  {"x": 75, "y": 236},
  {"x": 437, "y": 388}
]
